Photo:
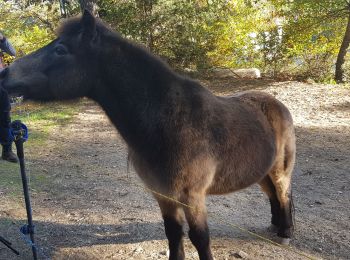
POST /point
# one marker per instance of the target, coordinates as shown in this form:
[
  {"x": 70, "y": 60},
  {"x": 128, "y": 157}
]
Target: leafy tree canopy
[{"x": 299, "y": 38}]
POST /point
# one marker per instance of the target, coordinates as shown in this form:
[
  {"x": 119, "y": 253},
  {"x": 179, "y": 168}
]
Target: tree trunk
[
  {"x": 148, "y": 13},
  {"x": 63, "y": 9},
  {"x": 341, "y": 55},
  {"x": 89, "y": 5}
]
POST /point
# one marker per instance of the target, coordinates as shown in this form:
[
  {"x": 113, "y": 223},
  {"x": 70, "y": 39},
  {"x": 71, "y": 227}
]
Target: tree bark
[
  {"x": 341, "y": 55},
  {"x": 63, "y": 9}
]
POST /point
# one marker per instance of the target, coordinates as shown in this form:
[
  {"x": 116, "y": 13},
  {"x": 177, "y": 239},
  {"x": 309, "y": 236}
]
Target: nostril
[{"x": 3, "y": 73}]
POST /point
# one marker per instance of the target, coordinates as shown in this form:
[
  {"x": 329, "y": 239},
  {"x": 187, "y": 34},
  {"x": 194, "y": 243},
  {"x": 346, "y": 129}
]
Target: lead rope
[{"x": 222, "y": 221}]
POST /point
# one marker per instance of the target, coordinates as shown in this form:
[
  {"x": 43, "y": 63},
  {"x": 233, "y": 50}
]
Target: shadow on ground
[{"x": 88, "y": 178}]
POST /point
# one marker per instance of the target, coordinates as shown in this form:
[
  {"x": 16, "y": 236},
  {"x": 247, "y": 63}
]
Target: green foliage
[
  {"x": 181, "y": 31},
  {"x": 242, "y": 38},
  {"x": 28, "y": 27},
  {"x": 313, "y": 32},
  {"x": 298, "y": 38}
]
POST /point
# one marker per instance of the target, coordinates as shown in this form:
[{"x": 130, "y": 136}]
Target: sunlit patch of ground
[{"x": 87, "y": 205}]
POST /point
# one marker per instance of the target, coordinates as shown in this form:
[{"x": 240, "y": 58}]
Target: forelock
[{"x": 72, "y": 27}]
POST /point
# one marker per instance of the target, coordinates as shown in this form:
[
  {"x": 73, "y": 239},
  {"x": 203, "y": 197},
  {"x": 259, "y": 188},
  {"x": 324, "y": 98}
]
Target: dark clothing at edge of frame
[
  {"x": 5, "y": 46},
  {"x": 5, "y": 119}
]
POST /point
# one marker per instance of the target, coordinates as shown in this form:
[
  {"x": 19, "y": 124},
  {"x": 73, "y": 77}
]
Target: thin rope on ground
[
  {"x": 289, "y": 248},
  {"x": 267, "y": 240}
]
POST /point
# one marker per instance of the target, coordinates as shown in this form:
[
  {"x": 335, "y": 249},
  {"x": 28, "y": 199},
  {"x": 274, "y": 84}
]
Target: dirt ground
[{"x": 91, "y": 207}]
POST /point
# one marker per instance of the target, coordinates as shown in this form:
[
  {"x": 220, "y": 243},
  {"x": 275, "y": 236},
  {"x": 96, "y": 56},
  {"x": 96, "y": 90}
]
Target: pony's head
[{"x": 64, "y": 69}]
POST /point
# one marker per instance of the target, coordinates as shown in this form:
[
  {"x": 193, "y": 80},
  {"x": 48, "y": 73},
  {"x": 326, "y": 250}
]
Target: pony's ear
[{"x": 88, "y": 23}]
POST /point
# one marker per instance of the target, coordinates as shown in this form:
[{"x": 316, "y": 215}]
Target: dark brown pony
[{"x": 184, "y": 141}]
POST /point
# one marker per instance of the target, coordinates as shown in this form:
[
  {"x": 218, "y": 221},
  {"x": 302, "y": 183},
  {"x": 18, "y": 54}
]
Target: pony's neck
[{"x": 134, "y": 93}]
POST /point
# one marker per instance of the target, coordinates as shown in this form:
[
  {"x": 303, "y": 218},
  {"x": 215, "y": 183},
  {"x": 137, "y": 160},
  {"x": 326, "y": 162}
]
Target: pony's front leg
[
  {"x": 173, "y": 223},
  {"x": 196, "y": 216}
]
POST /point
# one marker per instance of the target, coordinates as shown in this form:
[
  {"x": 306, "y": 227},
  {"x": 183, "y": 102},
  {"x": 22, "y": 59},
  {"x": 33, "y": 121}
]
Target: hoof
[{"x": 284, "y": 241}]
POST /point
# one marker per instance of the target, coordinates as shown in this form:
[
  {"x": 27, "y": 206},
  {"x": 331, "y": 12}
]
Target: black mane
[{"x": 73, "y": 26}]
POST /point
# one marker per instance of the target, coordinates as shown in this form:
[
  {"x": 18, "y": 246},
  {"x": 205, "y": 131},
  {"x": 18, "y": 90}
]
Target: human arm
[{"x": 6, "y": 46}]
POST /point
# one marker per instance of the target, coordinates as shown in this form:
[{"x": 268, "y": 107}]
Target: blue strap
[
  {"x": 18, "y": 130},
  {"x": 26, "y": 229},
  {"x": 13, "y": 134}
]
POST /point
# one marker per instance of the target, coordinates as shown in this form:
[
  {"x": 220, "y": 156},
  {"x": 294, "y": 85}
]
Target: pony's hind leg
[
  {"x": 281, "y": 206},
  {"x": 281, "y": 175},
  {"x": 286, "y": 226},
  {"x": 173, "y": 225},
  {"x": 268, "y": 187},
  {"x": 196, "y": 216}
]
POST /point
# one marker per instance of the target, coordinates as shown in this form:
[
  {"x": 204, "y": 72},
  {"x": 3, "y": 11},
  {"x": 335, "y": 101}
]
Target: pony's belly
[
  {"x": 224, "y": 187},
  {"x": 220, "y": 189},
  {"x": 228, "y": 180}
]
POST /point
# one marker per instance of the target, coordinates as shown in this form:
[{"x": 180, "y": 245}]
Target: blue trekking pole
[{"x": 19, "y": 134}]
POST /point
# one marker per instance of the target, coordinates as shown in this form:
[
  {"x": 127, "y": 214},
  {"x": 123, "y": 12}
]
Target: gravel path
[{"x": 93, "y": 208}]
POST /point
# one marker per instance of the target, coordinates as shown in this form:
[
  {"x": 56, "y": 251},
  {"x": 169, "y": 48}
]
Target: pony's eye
[{"x": 61, "y": 50}]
